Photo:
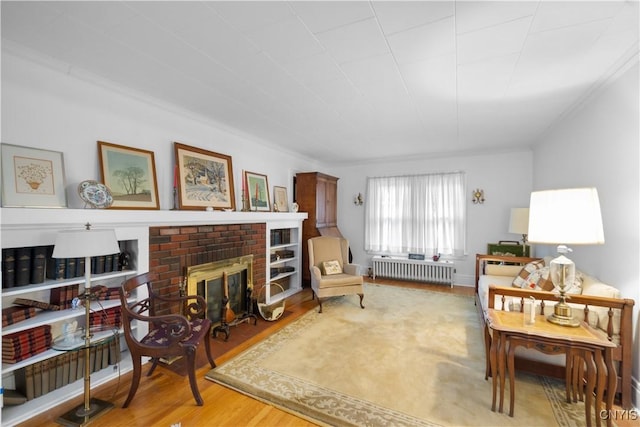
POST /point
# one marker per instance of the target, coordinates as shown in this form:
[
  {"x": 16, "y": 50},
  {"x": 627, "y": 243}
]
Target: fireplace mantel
[{"x": 27, "y": 218}]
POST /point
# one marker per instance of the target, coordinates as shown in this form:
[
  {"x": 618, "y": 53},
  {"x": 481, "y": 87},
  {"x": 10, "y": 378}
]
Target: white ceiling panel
[{"x": 343, "y": 81}]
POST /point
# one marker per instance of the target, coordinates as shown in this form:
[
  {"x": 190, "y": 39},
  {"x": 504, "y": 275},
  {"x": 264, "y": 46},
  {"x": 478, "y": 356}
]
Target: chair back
[
  {"x": 142, "y": 307},
  {"x": 326, "y": 248}
]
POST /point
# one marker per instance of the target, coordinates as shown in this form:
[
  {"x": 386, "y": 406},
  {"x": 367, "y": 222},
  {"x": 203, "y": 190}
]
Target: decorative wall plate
[{"x": 95, "y": 194}]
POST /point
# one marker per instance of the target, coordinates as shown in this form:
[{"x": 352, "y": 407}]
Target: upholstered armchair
[{"x": 331, "y": 273}]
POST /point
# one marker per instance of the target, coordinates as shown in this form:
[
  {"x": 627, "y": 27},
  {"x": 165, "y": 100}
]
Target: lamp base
[
  {"x": 562, "y": 315},
  {"x": 79, "y": 416}
]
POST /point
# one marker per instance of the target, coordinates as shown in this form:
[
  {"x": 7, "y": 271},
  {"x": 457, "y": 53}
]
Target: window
[{"x": 416, "y": 214}]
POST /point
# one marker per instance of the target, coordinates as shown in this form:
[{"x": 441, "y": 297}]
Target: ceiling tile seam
[
  {"x": 414, "y": 104},
  {"x": 221, "y": 94},
  {"x": 507, "y": 88},
  {"x": 424, "y": 24},
  {"x": 630, "y": 58},
  {"x": 488, "y": 27},
  {"x": 577, "y": 24}
]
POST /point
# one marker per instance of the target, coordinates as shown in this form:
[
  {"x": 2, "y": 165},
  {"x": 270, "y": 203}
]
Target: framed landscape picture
[
  {"x": 130, "y": 174},
  {"x": 32, "y": 177},
  {"x": 280, "y": 202},
  {"x": 204, "y": 179},
  {"x": 257, "y": 191}
]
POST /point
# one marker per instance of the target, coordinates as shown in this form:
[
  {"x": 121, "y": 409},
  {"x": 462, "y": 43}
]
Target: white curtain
[{"x": 423, "y": 214}]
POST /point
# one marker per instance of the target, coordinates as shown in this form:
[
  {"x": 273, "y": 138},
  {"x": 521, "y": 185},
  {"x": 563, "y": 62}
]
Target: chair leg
[
  {"x": 361, "y": 298},
  {"x": 207, "y": 347},
  {"x": 190, "y": 353},
  {"x": 137, "y": 371},
  {"x": 153, "y": 366}
]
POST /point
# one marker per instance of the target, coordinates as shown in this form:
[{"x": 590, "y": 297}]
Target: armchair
[
  {"x": 344, "y": 279},
  {"x": 169, "y": 335}
]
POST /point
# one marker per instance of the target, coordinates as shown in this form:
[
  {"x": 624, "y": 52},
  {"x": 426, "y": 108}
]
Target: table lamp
[
  {"x": 569, "y": 216},
  {"x": 519, "y": 224},
  {"x": 86, "y": 243}
]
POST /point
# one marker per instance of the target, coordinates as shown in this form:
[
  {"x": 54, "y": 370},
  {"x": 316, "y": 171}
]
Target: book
[
  {"x": 59, "y": 371},
  {"x": 38, "y": 263},
  {"x": 97, "y": 264},
  {"x": 37, "y": 304},
  {"x": 66, "y": 366},
  {"x": 73, "y": 366},
  {"x": 114, "y": 351},
  {"x": 70, "y": 268},
  {"x": 24, "y": 381},
  {"x": 14, "y": 314},
  {"x": 8, "y": 268},
  {"x": 80, "y": 266},
  {"x": 37, "y": 379},
  {"x": 53, "y": 366},
  {"x": 45, "y": 375},
  {"x": 108, "y": 263},
  {"x": 55, "y": 267},
  {"x": 23, "y": 266},
  {"x": 56, "y": 296}
]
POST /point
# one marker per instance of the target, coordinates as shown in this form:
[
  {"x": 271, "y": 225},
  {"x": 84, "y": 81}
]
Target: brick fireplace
[{"x": 174, "y": 248}]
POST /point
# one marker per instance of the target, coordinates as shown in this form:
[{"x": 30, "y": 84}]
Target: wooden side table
[{"x": 582, "y": 343}]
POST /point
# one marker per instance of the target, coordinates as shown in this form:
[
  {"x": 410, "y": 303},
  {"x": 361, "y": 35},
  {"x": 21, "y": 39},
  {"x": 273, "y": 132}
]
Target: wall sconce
[
  {"x": 478, "y": 196},
  {"x": 358, "y": 200}
]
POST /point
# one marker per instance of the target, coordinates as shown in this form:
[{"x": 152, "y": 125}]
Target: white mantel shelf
[{"x": 27, "y": 218}]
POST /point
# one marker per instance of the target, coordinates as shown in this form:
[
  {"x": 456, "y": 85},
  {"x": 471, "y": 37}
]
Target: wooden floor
[{"x": 165, "y": 399}]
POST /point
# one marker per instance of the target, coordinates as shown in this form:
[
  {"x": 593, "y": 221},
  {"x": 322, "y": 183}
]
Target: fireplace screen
[{"x": 207, "y": 280}]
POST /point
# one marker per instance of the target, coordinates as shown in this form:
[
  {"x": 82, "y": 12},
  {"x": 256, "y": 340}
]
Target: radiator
[{"x": 411, "y": 269}]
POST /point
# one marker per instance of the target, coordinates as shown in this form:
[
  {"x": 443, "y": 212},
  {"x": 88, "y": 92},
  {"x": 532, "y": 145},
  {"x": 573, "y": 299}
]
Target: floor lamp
[{"x": 86, "y": 243}]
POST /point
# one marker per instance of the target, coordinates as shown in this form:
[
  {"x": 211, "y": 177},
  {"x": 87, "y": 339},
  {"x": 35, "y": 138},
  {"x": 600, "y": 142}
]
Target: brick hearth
[{"x": 173, "y": 249}]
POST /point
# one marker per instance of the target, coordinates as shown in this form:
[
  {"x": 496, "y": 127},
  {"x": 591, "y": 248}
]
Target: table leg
[
  {"x": 493, "y": 362},
  {"x": 501, "y": 366},
  {"x": 612, "y": 380},
  {"x": 601, "y": 377},
  {"x": 591, "y": 377},
  {"x": 512, "y": 374},
  {"x": 569, "y": 373}
]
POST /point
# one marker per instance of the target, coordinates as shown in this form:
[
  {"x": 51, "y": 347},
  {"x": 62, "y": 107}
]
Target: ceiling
[{"x": 344, "y": 81}]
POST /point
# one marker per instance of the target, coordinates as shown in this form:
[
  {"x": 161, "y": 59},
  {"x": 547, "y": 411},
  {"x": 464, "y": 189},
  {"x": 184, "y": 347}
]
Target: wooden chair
[{"x": 169, "y": 335}]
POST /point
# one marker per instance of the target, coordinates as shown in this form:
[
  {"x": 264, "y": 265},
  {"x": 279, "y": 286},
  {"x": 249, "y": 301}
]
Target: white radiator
[{"x": 411, "y": 269}]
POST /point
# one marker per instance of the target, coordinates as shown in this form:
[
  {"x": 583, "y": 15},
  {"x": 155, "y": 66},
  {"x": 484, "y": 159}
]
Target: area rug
[{"x": 411, "y": 358}]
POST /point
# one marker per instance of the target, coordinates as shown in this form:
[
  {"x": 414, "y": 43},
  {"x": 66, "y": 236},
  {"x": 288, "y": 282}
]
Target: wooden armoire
[{"x": 316, "y": 193}]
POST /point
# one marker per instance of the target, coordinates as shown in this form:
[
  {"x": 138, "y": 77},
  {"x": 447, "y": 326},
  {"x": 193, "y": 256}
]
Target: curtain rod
[{"x": 418, "y": 174}]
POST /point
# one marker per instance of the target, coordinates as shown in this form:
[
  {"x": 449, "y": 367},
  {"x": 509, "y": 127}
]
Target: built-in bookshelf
[
  {"x": 39, "y": 373},
  {"x": 284, "y": 262}
]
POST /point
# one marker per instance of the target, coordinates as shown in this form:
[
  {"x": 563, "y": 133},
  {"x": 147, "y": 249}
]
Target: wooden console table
[{"x": 579, "y": 343}]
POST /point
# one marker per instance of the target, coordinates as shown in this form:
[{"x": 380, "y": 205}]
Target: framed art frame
[
  {"x": 280, "y": 202},
  {"x": 257, "y": 191},
  {"x": 32, "y": 177},
  {"x": 204, "y": 179},
  {"x": 130, "y": 174}
]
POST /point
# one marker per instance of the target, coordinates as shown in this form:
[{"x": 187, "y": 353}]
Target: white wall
[
  {"x": 44, "y": 107},
  {"x": 599, "y": 146},
  {"x": 504, "y": 177}
]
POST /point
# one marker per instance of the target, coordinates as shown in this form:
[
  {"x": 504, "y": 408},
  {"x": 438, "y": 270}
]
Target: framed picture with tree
[
  {"x": 130, "y": 174},
  {"x": 203, "y": 179}
]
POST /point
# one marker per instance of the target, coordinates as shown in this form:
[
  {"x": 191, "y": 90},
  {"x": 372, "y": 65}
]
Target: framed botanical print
[
  {"x": 32, "y": 177},
  {"x": 130, "y": 174},
  {"x": 204, "y": 179},
  {"x": 257, "y": 191}
]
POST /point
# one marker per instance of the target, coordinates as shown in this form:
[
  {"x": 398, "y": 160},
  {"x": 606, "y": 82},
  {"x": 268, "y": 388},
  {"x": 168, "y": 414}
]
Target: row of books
[
  {"x": 48, "y": 375},
  {"x": 63, "y": 296},
  {"x": 32, "y": 265},
  {"x": 15, "y": 314},
  {"x": 281, "y": 236},
  {"x": 109, "y": 318},
  {"x": 24, "y": 344}
]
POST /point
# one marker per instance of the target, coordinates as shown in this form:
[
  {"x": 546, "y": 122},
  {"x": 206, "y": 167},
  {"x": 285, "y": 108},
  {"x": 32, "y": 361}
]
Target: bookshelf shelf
[{"x": 283, "y": 246}]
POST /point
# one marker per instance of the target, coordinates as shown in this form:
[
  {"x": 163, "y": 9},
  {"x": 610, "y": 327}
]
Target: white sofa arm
[{"x": 353, "y": 269}]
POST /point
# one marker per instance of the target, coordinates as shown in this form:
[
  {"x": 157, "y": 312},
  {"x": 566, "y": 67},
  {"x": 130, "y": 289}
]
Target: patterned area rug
[{"x": 411, "y": 358}]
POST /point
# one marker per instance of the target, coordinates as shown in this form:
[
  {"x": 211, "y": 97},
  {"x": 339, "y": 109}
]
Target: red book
[
  {"x": 22, "y": 357},
  {"x": 11, "y": 315}
]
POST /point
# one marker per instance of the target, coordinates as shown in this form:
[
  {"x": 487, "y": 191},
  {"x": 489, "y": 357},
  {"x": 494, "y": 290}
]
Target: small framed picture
[
  {"x": 257, "y": 191},
  {"x": 32, "y": 177},
  {"x": 204, "y": 179},
  {"x": 130, "y": 174},
  {"x": 280, "y": 202}
]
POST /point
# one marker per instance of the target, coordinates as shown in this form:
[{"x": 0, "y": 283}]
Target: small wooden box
[{"x": 508, "y": 248}]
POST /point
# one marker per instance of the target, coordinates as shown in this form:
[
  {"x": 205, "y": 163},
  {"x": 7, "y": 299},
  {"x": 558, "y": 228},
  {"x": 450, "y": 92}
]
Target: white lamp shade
[
  {"x": 519, "y": 221},
  {"x": 568, "y": 216},
  {"x": 85, "y": 243}
]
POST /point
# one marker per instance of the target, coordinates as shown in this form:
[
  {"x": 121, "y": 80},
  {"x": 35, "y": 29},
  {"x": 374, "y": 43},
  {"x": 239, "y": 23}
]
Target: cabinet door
[
  {"x": 321, "y": 201},
  {"x": 331, "y": 205}
]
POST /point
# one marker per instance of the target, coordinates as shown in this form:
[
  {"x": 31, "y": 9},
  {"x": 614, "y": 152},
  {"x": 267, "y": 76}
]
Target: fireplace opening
[{"x": 207, "y": 280}]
